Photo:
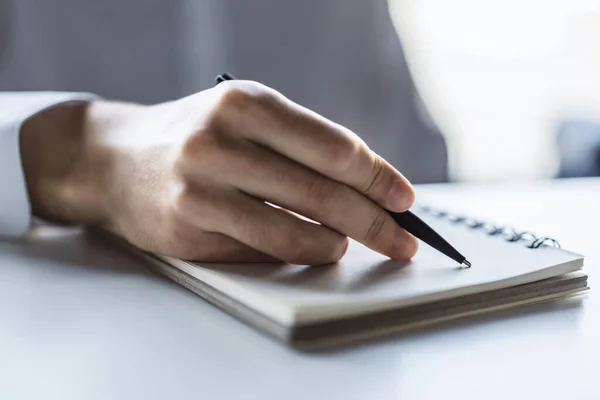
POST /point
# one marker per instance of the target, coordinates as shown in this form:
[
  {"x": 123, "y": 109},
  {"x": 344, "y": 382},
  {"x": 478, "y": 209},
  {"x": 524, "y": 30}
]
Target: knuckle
[
  {"x": 311, "y": 249},
  {"x": 322, "y": 193},
  {"x": 204, "y": 152},
  {"x": 242, "y": 103},
  {"x": 375, "y": 177},
  {"x": 192, "y": 205},
  {"x": 236, "y": 96},
  {"x": 374, "y": 232},
  {"x": 330, "y": 250},
  {"x": 199, "y": 144},
  {"x": 297, "y": 248},
  {"x": 341, "y": 152},
  {"x": 210, "y": 124},
  {"x": 233, "y": 97}
]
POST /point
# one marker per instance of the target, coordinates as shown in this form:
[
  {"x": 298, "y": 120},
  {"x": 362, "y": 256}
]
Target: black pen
[{"x": 409, "y": 221}]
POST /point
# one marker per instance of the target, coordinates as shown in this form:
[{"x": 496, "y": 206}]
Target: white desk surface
[{"x": 80, "y": 319}]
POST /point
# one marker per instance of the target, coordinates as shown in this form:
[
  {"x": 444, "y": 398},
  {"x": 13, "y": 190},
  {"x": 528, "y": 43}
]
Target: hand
[{"x": 192, "y": 178}]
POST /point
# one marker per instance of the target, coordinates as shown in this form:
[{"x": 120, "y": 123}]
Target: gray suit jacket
[{"x": 341, "y": 58}]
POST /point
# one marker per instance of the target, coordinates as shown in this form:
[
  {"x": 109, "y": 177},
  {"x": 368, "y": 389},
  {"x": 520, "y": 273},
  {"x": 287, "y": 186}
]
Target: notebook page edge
[
  {"x": 351, "y": 338},
  {"x": 314, "y": 313},
  {"x": 258, "y": 301}
]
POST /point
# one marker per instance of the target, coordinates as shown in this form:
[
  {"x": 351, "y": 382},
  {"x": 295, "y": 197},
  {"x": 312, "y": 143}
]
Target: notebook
[{"x": 367, "y": 295}]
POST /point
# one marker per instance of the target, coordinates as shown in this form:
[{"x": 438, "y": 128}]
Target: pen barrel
[{"x": 419, "y": 229}]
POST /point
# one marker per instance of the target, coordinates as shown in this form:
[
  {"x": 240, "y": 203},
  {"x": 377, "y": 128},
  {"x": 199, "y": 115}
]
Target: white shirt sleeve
[{"x": 15, "y": 109}]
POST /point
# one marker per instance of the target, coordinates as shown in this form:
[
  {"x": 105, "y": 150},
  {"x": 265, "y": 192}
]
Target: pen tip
[{"x": 466, "y": 263}]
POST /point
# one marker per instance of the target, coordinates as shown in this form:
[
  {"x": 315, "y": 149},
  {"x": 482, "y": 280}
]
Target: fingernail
[{"x": 400, "y": 197}]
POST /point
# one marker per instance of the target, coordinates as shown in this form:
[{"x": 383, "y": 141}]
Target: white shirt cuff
[{"x": 15, "y": 109}]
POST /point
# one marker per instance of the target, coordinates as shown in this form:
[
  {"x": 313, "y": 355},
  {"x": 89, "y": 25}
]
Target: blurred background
[
  {"x": 513, "y": 84},
  {"x": 462, "y": 90}
]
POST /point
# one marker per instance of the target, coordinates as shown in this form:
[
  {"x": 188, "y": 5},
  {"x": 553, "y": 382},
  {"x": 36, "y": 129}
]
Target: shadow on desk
[{"x": 74, "y": 248}]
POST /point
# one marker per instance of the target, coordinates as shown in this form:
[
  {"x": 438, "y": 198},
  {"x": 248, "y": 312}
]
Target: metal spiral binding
[{"x": 509, "y": 234}]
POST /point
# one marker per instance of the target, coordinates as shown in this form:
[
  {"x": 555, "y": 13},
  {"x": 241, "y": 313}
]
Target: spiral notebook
[{"x": 367, "y": 295}]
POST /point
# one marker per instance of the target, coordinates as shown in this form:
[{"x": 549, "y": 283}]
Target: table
[{"x": 82, "y": 319}]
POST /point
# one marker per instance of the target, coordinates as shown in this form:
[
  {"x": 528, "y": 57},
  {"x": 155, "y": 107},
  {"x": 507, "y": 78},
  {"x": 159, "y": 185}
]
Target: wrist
[{"x": 65, "y": 167}]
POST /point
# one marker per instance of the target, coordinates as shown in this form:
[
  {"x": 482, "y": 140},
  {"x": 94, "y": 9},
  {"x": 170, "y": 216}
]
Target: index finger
[{"x": 268, "y": 118}]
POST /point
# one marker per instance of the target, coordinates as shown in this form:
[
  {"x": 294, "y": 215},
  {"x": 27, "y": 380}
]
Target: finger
[
  {"x": 281, "y": 181},
  {"x": 216, "y": 247},
  {"x": 188, "y": 242},
  {"x": 268, "y": 118},
  {"x": 264, "y": 228},
  {"x": 181, "y": 239}
]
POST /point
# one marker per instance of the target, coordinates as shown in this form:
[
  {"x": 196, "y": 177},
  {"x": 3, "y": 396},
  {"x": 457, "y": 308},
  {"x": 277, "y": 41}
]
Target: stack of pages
[{"x": 367, "y": 295}]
